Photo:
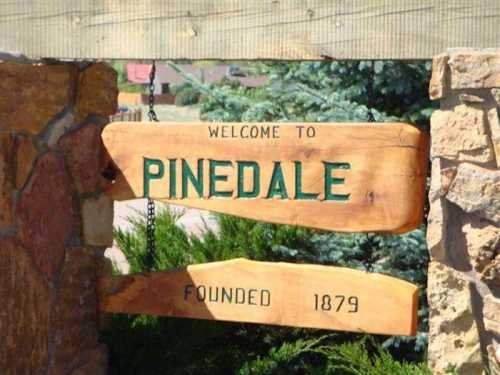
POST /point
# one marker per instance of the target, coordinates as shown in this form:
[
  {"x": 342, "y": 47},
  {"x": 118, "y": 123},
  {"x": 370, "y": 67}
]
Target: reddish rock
[
  {"x": 96, "y": 362},
  {"x": 74, "y": 318},
  {"x": 46, "y": 214},
  {"x": 26, "y": 155},
  {"x": 6, "y": 178},
  {"x": 33, "y": 94},
  {"x": 97, "y": 91},
  {"x": 24, "y": 313},
  {"x": 83, "y": 149}
]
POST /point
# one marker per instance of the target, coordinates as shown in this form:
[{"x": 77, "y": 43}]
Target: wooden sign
[
  {"x": 342, "y": 177},
  {"x": 284, "y": 294}
]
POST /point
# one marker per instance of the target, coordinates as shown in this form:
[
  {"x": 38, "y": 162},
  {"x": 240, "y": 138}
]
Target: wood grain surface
[
  {"x": 246, "y": 29},
  {"x": 240, "y": 290},
  {"x": 347, "y": 177}
]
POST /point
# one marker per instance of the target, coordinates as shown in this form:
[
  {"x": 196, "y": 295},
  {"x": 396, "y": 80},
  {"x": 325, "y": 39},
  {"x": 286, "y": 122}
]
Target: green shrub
[
  {"x": 378, "y": 91},
  {"x": 312, "y": 91},
  {"x": 152, "y": 345},
  {"x": 318, "y": 356},
  {"x": 187, "y": 96}
]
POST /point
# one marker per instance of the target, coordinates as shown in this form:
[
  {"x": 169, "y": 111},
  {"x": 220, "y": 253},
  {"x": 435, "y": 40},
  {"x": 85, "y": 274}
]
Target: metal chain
[{"x": 151, "y": 217}]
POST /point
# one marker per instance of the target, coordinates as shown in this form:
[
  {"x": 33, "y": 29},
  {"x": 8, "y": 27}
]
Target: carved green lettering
[
  {"x": 213, "y": 192},
  {"x": 148, "y": 175},
  {"x": 330, "y": 180},
  {"x": 241, "y": 176},
  {"x": 172, "y": 190},
  {"x": 188, "y": 175},
  {"x": 277, "y": 186},
  {"x": 299, "y": 194}
]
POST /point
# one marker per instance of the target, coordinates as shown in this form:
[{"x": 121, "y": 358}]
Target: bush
[
  {"x": 187, "y": 96},
  {"x": 312, "y": 91},
  {"x": 152, "y": 345}
]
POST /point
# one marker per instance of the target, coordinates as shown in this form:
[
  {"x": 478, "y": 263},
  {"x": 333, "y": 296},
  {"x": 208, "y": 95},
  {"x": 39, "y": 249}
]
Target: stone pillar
[
  {"x": 463, "y": 232},
  {"x": 51, "y": 247}
]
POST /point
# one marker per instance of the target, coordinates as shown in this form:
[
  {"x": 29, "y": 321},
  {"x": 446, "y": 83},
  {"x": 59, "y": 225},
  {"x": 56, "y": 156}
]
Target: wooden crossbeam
[
  {"x": 342, "y": 177},
  {"x": 246, "y": 29},
  {"x": 240, "y": 290}
]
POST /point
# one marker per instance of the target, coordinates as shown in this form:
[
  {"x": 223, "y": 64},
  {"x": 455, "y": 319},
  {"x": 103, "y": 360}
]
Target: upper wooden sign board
[
  {"x": 240, "y": 290},
  {"x": 246, "y": 29},
  {"x": 342, "y": 177}
]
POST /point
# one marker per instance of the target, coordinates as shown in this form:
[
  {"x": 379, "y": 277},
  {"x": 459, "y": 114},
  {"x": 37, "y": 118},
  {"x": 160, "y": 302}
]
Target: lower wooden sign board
[
  {"x": 297, "y": 295},
  {"x": 342, "y": 177}
]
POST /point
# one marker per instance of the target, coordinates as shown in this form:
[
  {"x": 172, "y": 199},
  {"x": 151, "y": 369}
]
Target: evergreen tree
[{"x": 313, "y": 92}]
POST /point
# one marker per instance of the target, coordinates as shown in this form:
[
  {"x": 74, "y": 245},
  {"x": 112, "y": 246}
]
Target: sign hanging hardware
[{"x": 151, "y": 216}]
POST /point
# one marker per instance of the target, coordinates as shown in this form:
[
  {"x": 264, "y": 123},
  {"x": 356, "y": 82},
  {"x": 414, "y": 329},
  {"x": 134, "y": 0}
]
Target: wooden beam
[
  {"x": 343, "y": 177},
  {"x": 246, "y": 29},
  {"x": 240, "y": 290}
]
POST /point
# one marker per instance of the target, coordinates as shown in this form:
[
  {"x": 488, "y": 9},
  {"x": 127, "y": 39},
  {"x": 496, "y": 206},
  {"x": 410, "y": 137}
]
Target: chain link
[{"x": 151, "y": 216}]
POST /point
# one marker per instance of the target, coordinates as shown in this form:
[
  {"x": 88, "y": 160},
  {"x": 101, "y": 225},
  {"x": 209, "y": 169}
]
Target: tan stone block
[
  {"x": 475, "y": 70},
  {"x": 477, "y": 190},
  {"x": 461, "y": 135},
  {"x": 74, "y": 318},
  {"x": 98, "y": 221},
  {"x": 469, "y": 98},
  {"x": 438, "y": 214},
  {"x": 496, "y": 95},
  {"x": 494, "y": 358},
  {"x": 482, "y": 241},
  {"x": 491, "y": 314},
  {"x": 6, "y": 178},
  {"x": 34, "y": 94},
  {"x": 24, "y": 315},
  {"x": 439, "y": 76},
  {"x": 491, "y": 273},
  {"x": 453, "y": 333},
  {"x": 447, "y": 177},
  {"x": 26, "y": 155},
  {"x": 494, "y": 120},
  {"x": 97, "y": 91}
]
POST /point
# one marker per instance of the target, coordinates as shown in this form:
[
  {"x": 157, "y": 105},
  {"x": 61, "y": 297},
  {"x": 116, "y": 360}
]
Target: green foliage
[
  {"x": 403, "y": 256},
  {"x": 317, "y": 356},
  {"x": 151, "y": 345},
  {"x": 326, "y": 91},
  {"x": 312, "y": 91},
  {"x": 175, "y": 248},
  {"x": 186, "y": 94},
  {"x": 377, "y": 91}
]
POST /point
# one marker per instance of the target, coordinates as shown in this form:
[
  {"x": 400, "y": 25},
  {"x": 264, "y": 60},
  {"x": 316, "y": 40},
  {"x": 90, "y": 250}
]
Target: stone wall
[
  {"x": 51, "y": 245},
  {"x": 463, "y": 233}
]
